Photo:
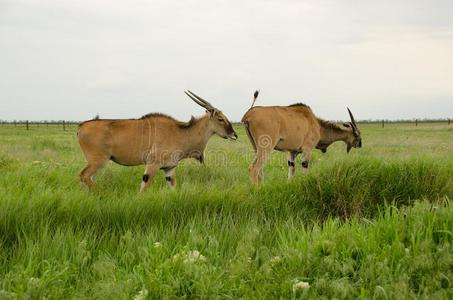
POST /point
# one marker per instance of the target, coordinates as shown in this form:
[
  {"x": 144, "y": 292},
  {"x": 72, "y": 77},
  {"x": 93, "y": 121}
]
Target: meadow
[{"x": 376, "y": 223}]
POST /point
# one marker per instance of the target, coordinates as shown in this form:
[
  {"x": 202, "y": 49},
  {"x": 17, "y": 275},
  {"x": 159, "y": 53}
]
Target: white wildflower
[
  {"x": 299, "y": 285},
  {"x": 34, "y": 281},
  {"x": 190, "y": 257},
  {"x": 141, "y": 295},
  {"x": 36, "y": 162},
  {"x": 275, "y": 260},
  {"x": 157, "y": 245},
  {"x": 194, "y": 256}
]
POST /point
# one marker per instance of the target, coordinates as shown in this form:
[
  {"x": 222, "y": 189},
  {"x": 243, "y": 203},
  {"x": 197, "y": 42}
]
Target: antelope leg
[
  {"x": 150, "y": 172},
  {"x": 306, "y": 159},
  {"x": 291, "y": 165},
  {"x": 170, "y": 177}
]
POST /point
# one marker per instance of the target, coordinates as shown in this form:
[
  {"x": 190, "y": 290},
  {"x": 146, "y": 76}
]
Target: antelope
[
  {"x": 294, "y": 129},
  {"x": 156, "y": 140}
]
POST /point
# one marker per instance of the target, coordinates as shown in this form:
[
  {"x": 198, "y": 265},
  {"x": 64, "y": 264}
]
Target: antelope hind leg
[
  {"x": 86, "y": 175},
  {"x": 256, "y": 169}
]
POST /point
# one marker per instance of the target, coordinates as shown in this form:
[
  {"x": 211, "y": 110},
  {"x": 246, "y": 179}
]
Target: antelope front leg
[
  {"x": 150, "y": 172},
  {"x": 170, "y": 177},
  {"x": 305, "y": 161},
  {"x": 291, "y": 164}
]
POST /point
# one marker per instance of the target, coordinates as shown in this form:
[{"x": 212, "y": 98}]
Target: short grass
[{"x": 375, "y": 223}]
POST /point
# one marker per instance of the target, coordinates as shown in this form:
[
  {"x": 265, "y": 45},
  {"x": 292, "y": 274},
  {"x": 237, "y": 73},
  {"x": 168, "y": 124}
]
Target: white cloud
[{"x": 72, "y": 59}]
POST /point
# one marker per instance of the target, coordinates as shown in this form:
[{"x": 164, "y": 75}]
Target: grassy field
[{"x": 373, "y": 224}]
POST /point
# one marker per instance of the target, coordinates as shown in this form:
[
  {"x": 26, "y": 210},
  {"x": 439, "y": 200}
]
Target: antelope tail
[
  {"x": 249, "y": 134},
  {"x": 255, "y": 95}
]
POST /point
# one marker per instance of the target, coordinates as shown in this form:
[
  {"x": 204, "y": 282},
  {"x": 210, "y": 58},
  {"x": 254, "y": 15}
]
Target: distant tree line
[
  {"x": 27, "y": 124},
  {"x": 64, "y": 124},
  {"x": 423, "y": 120},
  {"x": 42, "y": 122}
]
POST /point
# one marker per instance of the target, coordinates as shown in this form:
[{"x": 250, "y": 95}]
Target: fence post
[
  {"x": 64, "y": 126},
  {"x": 26, "y": 125},
  {"x": 449, "y": 121},
  {"x": 416, "y": 122}
]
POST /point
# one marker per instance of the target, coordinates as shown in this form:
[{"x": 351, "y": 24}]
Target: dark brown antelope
[
  {"x": 155, "y": 140},
  {"x": 294, "y": 129}
]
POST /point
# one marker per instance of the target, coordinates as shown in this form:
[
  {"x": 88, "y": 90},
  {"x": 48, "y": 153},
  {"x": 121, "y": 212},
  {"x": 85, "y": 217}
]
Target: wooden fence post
[
  {"x": 416, "y": 122},
  {"x": 26, "y": 125},
  {"x": 449, "y": 121},
  {"x": 64, "y": 126}
]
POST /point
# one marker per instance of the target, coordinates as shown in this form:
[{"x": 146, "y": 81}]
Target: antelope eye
[{"x": 221, "y": 120}]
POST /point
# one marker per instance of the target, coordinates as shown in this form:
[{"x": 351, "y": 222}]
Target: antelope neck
[
  {"x": 330, "y": 135},
  {"x": 197, "y": 136}
]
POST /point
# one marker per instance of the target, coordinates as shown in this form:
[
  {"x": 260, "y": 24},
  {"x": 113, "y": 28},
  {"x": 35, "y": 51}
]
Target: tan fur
[
  {"x": 294, "y": 129},
  {"x": 157, "y": 141}
]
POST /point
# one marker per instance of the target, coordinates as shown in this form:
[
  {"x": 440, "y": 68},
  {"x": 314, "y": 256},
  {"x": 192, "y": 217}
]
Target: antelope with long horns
[
  {"x": 155, "y": 140},
  {"x": 294, "y": 129}
]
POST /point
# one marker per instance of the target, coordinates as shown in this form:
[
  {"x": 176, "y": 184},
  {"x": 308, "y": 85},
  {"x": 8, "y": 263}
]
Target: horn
[
  {"x": 202, "y": 100},
  {"x": 352, "y": 117},
  {"x": 196, "y": 99},
  {"x": 353, "y": 123}
]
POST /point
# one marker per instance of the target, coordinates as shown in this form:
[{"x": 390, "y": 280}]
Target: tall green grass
[
  {"x": 355, "y": 187},
  {"x": 366, "y": 225},
  {"x": 402, "y": 253}
]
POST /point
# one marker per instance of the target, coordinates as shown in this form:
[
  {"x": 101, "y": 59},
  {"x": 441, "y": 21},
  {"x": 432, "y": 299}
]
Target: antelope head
[
  {"x": 354, "y": 140},
  {"x": 218, "y": 122}
]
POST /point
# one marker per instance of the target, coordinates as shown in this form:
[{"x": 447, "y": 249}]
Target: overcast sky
[{"x": 67, "y": 59}]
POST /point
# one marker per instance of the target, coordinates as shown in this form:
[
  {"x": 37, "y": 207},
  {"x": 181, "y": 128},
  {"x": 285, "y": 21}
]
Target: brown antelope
[
  {"x": 294, "y": 129},
  {"x": 155, "y": 140}
]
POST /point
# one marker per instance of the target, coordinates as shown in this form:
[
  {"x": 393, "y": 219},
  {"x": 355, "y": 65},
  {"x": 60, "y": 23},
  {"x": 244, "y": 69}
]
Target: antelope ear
[
  {"x": 346, "y": 125},
  {"x": 212, "y": 112}
]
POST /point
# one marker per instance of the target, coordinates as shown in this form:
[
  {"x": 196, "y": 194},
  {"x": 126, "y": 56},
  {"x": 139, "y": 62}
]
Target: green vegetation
[{"x": 377, "y": 223}]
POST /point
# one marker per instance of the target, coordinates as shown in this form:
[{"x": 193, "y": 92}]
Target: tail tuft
[{"x": 255, "y": 95}]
